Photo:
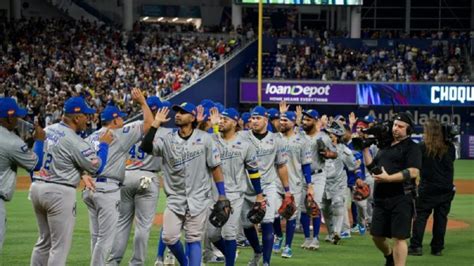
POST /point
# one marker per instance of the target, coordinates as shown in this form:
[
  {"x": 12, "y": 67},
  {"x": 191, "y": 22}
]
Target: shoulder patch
[
  {"x": 87, "y": 152},
  {"x": 24, "y": 148},
  {"x": 126, "y": 129}
]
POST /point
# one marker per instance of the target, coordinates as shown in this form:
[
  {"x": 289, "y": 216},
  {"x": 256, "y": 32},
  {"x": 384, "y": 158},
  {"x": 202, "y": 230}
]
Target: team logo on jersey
[
  {"x": 197, "y": 142},
  {"x": 126, "y": 130},
  {"x": 87, "y": 152},
  {"x": 24, "y": 148}
]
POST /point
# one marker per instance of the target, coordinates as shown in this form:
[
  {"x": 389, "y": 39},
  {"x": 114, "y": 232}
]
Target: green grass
[
  {"x": 22, "y": 234},
  {"x": 464, "y": 169}
]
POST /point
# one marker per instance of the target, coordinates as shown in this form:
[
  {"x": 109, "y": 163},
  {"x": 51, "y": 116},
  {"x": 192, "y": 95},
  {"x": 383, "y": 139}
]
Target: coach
[{"x": 395, "y": 169}]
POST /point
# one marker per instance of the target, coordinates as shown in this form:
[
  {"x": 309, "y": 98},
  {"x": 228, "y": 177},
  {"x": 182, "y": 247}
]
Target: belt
[
  {"x": 317, "y": 172},
  {"x": 53, "y": 182},
  {"x": 101, "y": 179}
]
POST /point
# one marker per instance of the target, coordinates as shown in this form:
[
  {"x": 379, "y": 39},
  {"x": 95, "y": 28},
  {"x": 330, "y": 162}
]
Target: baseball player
[
  {"x": 53, "y": 191},
  {"x": 238, "y": 158},
  {"x": 138, "y": 199},
  {"x": 336, "y": 183},
  {"x": 322, "y": 149},
  {"x": 190, "y": 158},
  {"x": 299, "y": 175},
  {"x": 103, "y": 202},
  {"x": 272, "y": 157},
  {"x": 13, "y": 153},
  {"x": 359, "y": 211}
]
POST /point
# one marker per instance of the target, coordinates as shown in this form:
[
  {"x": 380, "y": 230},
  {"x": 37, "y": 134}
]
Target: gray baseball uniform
[
  {"x": 336, "y": 184},
  {"x": 318, "y": 163},
  {"x": 104, "y": 204},
  {"x": 187, "y": 182},
  {"x": 53, "y": 192},
  {"x": 137, "y": 202},
  {"x": 13, "y": 152},
  {"x": 271, "y": 153},
  {"x": 299, "y": 154},
  {"x": 237, "y": 156}
]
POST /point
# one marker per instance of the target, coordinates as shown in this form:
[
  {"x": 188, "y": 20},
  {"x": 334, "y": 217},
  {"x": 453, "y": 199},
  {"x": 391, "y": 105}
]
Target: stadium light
[
  {"x": 174, "y": 19},
  {"x": 160, "y": 18},
  {"x": 145, "y": 18},
  {"x": 189, "y": 20}
]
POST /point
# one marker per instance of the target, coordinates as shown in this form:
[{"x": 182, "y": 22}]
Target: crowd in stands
[
  {"x": 43, "y": 62},
  {"x": 326, "y": 61}
]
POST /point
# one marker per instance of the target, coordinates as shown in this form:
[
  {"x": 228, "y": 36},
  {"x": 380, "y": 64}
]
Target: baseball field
[{"x": 358, "y": 250}]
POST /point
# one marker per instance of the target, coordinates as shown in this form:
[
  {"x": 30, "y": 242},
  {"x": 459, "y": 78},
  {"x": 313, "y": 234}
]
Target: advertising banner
[
  {"x": 304, "y": 92},
  {"x": 415, "y": 94}
]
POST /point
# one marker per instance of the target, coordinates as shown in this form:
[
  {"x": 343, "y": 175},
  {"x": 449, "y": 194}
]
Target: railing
[{"x": 91, "y": 10}]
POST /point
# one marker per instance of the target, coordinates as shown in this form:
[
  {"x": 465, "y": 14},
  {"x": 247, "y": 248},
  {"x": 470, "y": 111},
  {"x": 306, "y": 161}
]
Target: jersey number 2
[{"x": 49, "y": 159}]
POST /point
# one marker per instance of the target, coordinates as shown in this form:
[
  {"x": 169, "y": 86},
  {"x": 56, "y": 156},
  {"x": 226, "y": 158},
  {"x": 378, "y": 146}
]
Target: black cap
[{"x": 405, "y": 117}]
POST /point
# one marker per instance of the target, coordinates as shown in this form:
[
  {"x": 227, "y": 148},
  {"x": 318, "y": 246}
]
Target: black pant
[{"x": 439, "y": 204}]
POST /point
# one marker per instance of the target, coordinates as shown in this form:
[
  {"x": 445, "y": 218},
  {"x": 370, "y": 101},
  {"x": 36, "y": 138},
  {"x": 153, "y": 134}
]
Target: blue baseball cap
[
  {"x": 9, "y": 108},
  {"x": 259, "y": 111},
  {"x": 77, "y": 105},
  {"x": 154, "y": 103},
  {"x": 369, "y": 119},
  {"x": 231, "y": 113},
  {"x": 219, "y": 107},
  {"x": 185, "y": 107},
  {"x": 110, "y": 113},
  {"x": 311, "y": 113},
  {"x": 273, "y": 113},
  {"x": 166, "y": 104},
  {"x": 290, "y": 115},
  {"x": 207, "y": 104},
  {"x": 245, "y": 117}
]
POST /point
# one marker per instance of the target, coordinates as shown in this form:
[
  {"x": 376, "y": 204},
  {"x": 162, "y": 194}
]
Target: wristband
[
  {"x": 220, "y": 188},
  {"x": 406, "y": 175},
  {"x": 286, "y": 189}
]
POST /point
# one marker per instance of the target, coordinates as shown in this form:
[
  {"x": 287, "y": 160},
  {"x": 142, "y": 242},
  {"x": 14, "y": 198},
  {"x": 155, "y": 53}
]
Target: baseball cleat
[
  {"x": 345, "y": 235},
  {"x": 336, "y": 238},
  {"x": 355, "y": 229},
  {"x": 362, "y": 230},
  {"x": 287, "y": 253},
  {"x": 306, "y": 243},
  {"x": 277, "y": 244},
  {"x": 159, "y": 262},
  {"x": 169, "y": 259},
  {"x": 314, "y": 245},
  {"x": 255, "y": 260}
]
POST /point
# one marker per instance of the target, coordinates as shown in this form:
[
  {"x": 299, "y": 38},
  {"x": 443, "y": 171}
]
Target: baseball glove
[
  {"x": 220, "y": 213},
  {"x": 256, "y": 214},
  {"x": 361, "y": 190},
  {"x": 288, "y": 207},
  {"x": 312, "y": 208}
]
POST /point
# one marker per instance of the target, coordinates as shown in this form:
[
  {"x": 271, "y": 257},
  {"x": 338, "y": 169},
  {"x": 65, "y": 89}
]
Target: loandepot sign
[
  {"x": 461, "y": 94},
  {"x": 297, "y": 90}
]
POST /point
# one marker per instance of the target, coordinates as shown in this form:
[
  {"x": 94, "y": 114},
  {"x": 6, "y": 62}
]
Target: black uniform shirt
[
  {"x": 403, "y": 155},
  {"x": 437, "y": 174}
]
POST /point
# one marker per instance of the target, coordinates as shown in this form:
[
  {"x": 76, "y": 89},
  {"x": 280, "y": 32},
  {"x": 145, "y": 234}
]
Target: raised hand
[
  {"x": 283, "y": 107},
  {"x": 214, "y": 117},
  {"x": 162, "y": 116},
  {"x": 200, "y": 114},
  {"x": 137, "y": 96}
]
